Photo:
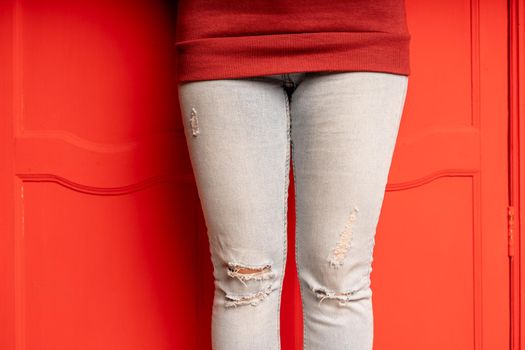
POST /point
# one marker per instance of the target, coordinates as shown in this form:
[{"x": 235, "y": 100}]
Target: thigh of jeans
[
  {"x": 344, "y": 128},
  {"x": 237, "y": 131}
]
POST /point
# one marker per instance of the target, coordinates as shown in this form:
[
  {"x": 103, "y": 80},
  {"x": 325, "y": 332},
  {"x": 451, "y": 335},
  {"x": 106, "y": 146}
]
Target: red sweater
[{"x": 218, "y": 39}]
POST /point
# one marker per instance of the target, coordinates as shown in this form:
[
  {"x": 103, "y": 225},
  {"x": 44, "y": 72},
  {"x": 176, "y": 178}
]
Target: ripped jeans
[{"x": 339, "y": 130}]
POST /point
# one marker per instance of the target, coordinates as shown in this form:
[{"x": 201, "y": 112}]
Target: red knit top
[{"x": 218, "y": 39}]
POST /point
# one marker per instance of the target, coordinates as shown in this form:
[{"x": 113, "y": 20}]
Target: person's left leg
[
  {"x": 344, "y": 127},
  {"x": 237, "y": 132}
]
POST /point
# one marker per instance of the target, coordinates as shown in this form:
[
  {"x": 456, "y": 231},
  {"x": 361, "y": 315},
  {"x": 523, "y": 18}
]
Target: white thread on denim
[{"x": 345, "y": 241}]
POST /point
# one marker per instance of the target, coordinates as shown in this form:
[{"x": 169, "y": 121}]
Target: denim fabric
[{"x": 339, "y": 131}]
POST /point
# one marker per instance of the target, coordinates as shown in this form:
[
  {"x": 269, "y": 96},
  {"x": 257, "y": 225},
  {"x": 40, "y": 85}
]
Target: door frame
[{"x": 516, "y": 143}]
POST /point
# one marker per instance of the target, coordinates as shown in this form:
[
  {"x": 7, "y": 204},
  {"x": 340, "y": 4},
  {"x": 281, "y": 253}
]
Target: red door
[
  {"x": 103, "y": 240},
  {"x": 441, "y": 274}
]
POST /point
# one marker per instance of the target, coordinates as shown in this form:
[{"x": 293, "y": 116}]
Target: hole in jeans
[
  {"x": 343, "y": 298},
  {"x": 194, "y": 122},
  {"x": 340, "y": 251},
  {"x": 249, "y": 299},
  {"x": 246, "y": 272}
]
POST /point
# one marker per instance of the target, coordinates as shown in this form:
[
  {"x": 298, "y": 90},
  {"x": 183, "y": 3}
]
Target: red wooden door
[
  {"x": 102, "y": 250},
  {"x": 441, "y": 274},
  {"x": 103, "y": 241}
]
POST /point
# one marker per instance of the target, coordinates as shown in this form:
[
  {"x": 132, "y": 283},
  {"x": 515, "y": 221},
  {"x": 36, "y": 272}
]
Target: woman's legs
[
  {"x": 343, "y": 127},
  {"x": 237, "y": 133},
  {"x": 343, "y": 131}
]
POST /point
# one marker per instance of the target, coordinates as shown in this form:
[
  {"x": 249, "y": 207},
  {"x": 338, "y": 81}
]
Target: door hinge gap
[{"x": 510, "y": 228}]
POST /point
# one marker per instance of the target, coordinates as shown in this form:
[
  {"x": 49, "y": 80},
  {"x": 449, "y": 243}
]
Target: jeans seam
[
  {"x": 287, "y": 81},
  {"x": 285, "y": 218}
]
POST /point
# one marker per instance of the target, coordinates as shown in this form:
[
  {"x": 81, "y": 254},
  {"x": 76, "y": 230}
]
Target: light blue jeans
[{"x": 339, "y": 129}]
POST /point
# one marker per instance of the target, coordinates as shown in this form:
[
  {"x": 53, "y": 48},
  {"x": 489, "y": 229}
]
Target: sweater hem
[{"x": 249, "y": 56}]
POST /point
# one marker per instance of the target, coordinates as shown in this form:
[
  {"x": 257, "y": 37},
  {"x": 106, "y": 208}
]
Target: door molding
[{"x": 516, "y": 168}]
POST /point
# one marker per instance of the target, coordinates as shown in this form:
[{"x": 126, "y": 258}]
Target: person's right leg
[
  {"x": 237, "y": 132},
  {"x": 344, "y": 128}
]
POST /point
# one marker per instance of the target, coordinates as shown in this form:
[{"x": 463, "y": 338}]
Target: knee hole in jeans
[
  {"x": 340, "y": 251},
  {"x": 246, "y": 273}
]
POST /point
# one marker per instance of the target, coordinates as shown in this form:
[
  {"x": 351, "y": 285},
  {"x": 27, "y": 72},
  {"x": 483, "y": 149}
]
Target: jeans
[{"x": 339, "y": 130}]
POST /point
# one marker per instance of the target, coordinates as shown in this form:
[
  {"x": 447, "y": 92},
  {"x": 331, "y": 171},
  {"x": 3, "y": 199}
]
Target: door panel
[
  {"x": 106, "y": 208},
  {"x": 441, "y": 263}
]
